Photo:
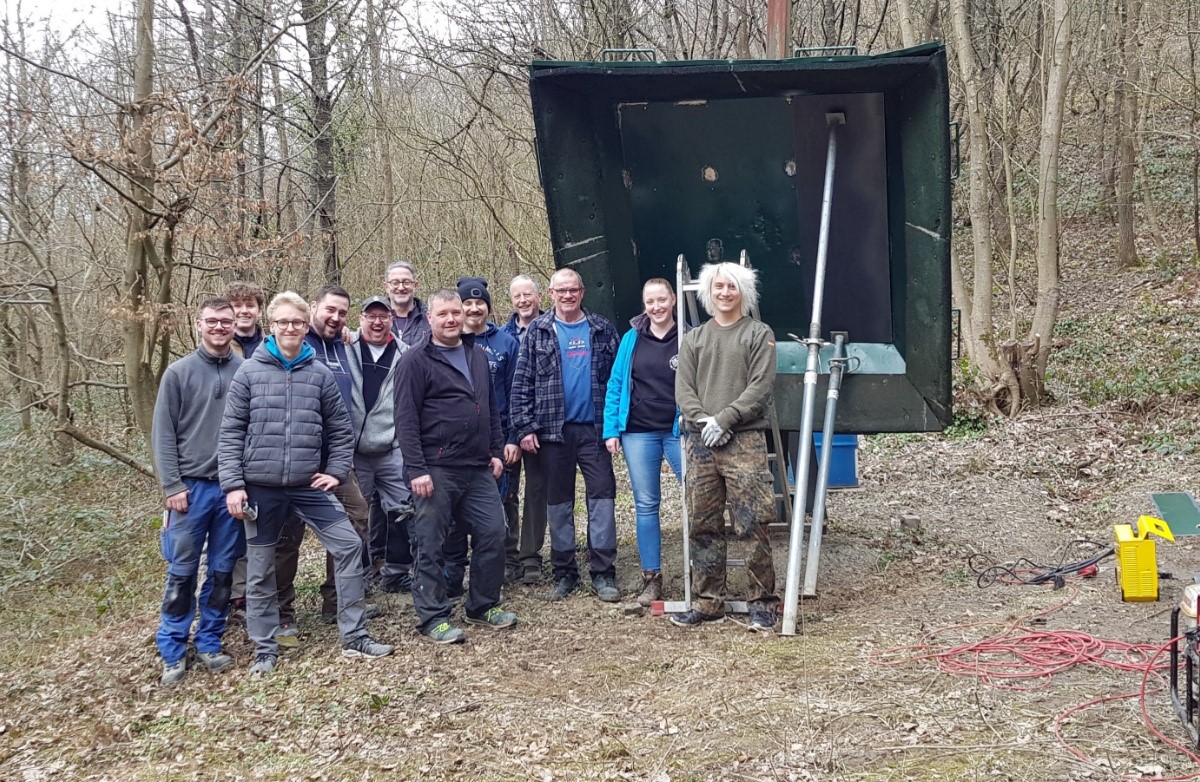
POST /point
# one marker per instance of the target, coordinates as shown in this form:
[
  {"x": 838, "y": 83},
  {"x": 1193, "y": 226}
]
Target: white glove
[{"x": 712, "y": 432}]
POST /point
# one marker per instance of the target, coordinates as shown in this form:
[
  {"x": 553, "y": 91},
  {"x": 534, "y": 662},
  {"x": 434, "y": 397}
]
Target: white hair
[
  {"x": 523, "y": 279},
  {"x": 744, "y": 280}
]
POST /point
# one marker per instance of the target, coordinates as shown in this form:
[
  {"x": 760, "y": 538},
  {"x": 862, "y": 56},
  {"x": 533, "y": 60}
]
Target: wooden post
[{"x": 779, "y": 24}]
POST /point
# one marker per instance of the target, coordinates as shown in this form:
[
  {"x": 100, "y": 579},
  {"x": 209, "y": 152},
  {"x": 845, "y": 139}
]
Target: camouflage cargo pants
[{"x": 737, "y": 474}]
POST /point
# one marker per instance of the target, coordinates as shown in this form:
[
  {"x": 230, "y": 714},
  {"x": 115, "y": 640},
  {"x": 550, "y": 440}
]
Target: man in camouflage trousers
[{"x": 723, "y": 388}]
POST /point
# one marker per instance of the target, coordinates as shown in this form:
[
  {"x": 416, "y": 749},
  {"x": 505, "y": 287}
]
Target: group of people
[{"x": 402, "y": 444}]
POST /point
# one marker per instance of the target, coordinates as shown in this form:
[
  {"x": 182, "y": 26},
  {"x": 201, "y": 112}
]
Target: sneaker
[
  {"x": 495, "y": 617},
  {"x": 563, "y": 587},
  {"x": 396, "y": 584},
  {"x": 215, "y": 662},
  {"x": 651, "y": 588},
  {"x": 762, "y": 620},
  {"x": 287, "y": 636},
  {"x": 363, "y": 646},
  {"x": 606, "y": 589},
  {"x": 532, "y": 575},
  {"x": 174, "y": 673},
  {"x": 445, "y": 633},
  {"x": 370, "y": 611},
  {"x": 694, "y": 617},
  {"x": 263, "y": 664}
]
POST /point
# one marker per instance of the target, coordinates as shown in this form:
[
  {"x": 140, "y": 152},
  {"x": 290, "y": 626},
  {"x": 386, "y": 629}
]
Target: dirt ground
[
  {"x": 867, "y": 690},
  {"x": 580, "y": 690}
]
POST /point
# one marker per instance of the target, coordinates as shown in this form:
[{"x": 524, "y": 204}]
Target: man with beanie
[
  {"x": 501, "y": 349},
  {"x": 186, "y": 428},
  {"x": 378, "y": 464}
]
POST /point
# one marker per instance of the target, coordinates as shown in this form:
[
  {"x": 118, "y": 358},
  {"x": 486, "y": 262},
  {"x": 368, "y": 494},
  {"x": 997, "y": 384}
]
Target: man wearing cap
[
  {"x": 501, "y": 349},
  {"x": 410, "y": 323},
  {"x": 378, "y": 464}
]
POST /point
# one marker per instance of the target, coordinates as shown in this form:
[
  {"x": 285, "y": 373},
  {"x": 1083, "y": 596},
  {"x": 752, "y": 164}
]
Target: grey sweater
[
  {"x": 187, "y": 417},
  {"x": 374, "y": 429},
  {"x": 727, "y": 372}
]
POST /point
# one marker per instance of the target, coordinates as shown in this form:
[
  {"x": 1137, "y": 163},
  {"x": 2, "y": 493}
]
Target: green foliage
[{"x": 1154, "y": 353}]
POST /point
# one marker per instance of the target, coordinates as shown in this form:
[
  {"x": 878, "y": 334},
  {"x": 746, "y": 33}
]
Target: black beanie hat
[{"x": 474, "y": 288}]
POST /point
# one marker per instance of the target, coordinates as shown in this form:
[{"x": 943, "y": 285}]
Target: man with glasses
[
  {"x": 409, "y": 321},
  {"x": 378, "y": 463},
  {"x": 557, "y": 412},
  {"x": 328, "y": 312},
  {"x": 286, "y": 442},
  {"x": 526, "y": 297},
  {"x": 187, "y": 422}
]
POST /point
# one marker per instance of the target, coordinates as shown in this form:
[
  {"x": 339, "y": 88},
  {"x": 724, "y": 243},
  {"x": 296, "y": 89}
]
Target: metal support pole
[
  {"x": 837, "y": 365},
  {"x": 682, "y": 279},
  {"x": 804, "y": 451}
]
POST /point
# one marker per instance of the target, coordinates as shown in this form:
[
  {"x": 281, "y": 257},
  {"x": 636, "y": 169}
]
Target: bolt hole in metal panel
[{"x": 641, "y": 162}]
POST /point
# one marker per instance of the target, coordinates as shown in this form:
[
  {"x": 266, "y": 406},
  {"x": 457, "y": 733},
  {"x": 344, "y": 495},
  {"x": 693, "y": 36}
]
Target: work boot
[
  {"x": 532, "y": 575},
  {"x": 397, "y": 584},
  {"x": 651, "y": 587},
  {"x": 174, "y": 673},
  {"x": 215, "y": 662},
  {"x": 563, "y": 587},
  {"x": 454, "y": 582},
  {"x": 606, "y": 589}
]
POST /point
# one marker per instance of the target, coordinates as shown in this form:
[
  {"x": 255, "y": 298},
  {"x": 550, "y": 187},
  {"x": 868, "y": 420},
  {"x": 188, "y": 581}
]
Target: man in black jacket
[{"x": 449, "y": 432}]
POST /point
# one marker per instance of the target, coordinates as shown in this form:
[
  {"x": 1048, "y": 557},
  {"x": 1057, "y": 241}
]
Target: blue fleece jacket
[{"x": 501, "y": 348}]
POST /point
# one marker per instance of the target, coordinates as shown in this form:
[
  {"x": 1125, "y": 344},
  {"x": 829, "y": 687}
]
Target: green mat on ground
[{"x": 1178, "y": 509}]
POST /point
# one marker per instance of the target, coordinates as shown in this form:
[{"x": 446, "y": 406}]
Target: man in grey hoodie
[
  {"x": 378, "y": 463},
  {"x": 187, "y": 420}
]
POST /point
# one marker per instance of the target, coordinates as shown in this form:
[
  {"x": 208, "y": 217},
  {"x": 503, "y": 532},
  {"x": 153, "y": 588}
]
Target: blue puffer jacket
[
  {"x": 620, "y": 382},
  {"x": 283, "y": 422}
]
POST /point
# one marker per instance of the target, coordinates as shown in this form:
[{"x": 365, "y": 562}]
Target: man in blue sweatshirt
[{"x": 186, "y": 428}]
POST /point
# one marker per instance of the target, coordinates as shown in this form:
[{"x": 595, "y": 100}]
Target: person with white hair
[{"x": 723, "y": 388}]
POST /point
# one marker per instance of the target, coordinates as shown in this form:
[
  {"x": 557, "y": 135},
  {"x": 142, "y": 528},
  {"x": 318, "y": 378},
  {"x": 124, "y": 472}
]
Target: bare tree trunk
[
  {"x": 908, "y": 30},
  {"x": 1127, "y": 143},
  {"x": 1045, "y": 316},
  {"x": 324, "y": 172},
  {"x": 382, "y": 134},
  {"x": 139, "y": 247},
  {"x": 976, "y": 303}
]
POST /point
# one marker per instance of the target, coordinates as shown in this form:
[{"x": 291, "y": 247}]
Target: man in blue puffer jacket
[{"x": 286, "y": 441}]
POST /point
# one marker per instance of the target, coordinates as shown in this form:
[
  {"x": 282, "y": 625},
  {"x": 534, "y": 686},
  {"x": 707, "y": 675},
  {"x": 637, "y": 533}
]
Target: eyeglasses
[
  {"x": 567, "y": 291},
  {"x": 377, "y": 318},
  {"x": 213, "y": 323},
  {"x": 401, "y": 283},
  {"x": 289, "y": 325}
]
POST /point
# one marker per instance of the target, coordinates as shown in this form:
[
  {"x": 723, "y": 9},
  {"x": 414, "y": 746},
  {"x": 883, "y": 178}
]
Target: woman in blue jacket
[{"x": 640, "y": 417}]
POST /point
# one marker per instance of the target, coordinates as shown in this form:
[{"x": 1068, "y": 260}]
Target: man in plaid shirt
[{"x": 557, "y": 410}]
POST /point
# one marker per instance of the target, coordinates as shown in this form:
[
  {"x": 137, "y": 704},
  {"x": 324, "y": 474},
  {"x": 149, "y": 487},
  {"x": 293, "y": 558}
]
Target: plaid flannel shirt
[{"x": 537, "y": 405}]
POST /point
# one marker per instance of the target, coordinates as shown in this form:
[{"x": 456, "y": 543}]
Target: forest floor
[{"x": 869, "y": 689}]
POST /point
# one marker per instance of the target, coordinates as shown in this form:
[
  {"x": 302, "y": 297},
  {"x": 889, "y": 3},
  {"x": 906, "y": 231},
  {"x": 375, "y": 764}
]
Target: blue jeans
[
  {"x": 183, "y": 540},
  {"x": 644, "y": 452}
]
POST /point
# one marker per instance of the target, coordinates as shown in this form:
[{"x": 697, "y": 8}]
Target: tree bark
[
  {"x": 316, "y": 13},
  {"x": 1045, "y": 315},
  {"x": 1128, "y": 144}
]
